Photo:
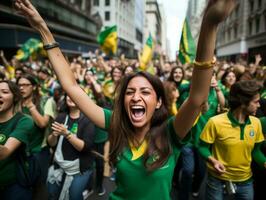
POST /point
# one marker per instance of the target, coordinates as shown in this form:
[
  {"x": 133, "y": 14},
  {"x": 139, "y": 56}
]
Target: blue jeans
[
  {"x": 191, "y": 164},
  {"x": 16, "y": 192},
  {"x": 215, "y": 190},
  {"x": 78, "y": 185}
]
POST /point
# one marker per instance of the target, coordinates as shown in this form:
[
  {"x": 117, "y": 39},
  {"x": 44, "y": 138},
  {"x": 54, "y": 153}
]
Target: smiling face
[
  {"x": 116, "y": 74},
  {"x": 6, "y": 98},
  {"x": 140, "y": 102},
  {"x": 178, "y": 75},
  {"x": 230, "y": 79}
]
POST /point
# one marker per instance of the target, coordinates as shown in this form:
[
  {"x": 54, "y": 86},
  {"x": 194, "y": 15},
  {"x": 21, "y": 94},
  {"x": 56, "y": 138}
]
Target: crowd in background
[{"x": 45, "y": 102}]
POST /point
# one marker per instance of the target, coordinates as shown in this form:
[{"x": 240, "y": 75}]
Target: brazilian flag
[
  {"x": 30, "y": 48},
  {"x": 147, "y": 53},
  {"x": 108, "y": 40},
  {"x": 187, "y": 48}
]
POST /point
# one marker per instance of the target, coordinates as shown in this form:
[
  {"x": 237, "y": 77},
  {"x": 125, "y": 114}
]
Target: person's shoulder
[
  {"x": 219, "y": 117},
  {"x": 22, "y": 117},
  {"x": 254, "y": 119}
]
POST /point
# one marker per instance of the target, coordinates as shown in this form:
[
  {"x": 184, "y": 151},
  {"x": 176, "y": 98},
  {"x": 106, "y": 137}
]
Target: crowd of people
[{"x": 167, "y": 130}]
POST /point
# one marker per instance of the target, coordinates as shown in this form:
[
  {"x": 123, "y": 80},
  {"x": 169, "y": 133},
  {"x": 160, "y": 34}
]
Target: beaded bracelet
[
  {"x": 204, "y": 65},
  {"x": 50, "y": 45}
]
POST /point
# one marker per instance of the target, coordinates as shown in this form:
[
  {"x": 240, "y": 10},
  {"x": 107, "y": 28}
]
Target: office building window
[
  {"x": 236, "y": 12},
  {"x": 107, "y": 2},
  {"x": 251, "y": 5},
  {"x": 229, "y": 35},
  {"x": 265, "y": 22},
  {"x": 107, "y": 16},
  {"x": 235, "y": 32},
  {"x": 96, "y": 2},
  {"x": 259, "y": 4},
  {"x": 250, "y": 27},
  {"x": 257, "y": 25}
]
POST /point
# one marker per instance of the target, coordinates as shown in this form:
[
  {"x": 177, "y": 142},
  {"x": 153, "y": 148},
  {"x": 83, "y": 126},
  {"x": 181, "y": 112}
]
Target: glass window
[
  {"x": 251, "y": 5},
  {"x": 107, "y": 16},
  {"x": 96, "y": 2},
  {"x": 257, "y": 25},
  {"x": 107, "y": 2},
  {"x": 259, "y": 4},
  {"x": 265, "y": 22},
  {"x": 235, "y": 32},
  {"x": 250, "y": 27}
]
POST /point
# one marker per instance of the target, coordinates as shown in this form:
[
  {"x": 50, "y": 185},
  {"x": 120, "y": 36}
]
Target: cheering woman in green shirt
[{"x": 145, "y": 145}]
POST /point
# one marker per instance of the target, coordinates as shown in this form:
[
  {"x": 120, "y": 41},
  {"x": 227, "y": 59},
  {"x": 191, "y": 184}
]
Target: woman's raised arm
[
  {"x": 60, "y": 65},
  {"x": 216, "y": 12}
]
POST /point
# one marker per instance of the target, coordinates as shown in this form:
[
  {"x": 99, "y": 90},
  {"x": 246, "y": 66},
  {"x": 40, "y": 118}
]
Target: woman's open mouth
[{"x": 137, "y": 112}]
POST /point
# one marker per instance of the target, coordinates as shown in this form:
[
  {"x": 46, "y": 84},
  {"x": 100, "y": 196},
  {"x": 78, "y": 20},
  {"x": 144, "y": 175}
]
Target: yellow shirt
[{"x": 232, "y": 145}]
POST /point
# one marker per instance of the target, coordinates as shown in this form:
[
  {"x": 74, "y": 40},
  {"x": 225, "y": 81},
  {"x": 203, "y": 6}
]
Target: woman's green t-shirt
[
  {"x": 135, "y": 182},
  {"x": 19, "y": 129}
]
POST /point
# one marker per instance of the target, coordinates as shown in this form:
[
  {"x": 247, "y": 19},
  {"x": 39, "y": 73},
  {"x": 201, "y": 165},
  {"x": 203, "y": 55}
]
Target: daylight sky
[{"x": 175, "y": 11}]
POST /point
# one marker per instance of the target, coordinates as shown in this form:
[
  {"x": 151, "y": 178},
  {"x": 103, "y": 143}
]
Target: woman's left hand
[{"x": 59, "y": 128}]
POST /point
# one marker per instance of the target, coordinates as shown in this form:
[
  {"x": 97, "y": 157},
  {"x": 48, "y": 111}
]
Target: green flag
[
  {"x": 31, "y": 47},
  {"x": 108, "y": 40},
  {"x": 146, "y": 53},
  {"x": 187, "y": 48}
]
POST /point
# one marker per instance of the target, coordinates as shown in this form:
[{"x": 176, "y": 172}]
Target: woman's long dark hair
[
  {"x": 36, "y": 98},
  {"x": 122, "y": 131}
]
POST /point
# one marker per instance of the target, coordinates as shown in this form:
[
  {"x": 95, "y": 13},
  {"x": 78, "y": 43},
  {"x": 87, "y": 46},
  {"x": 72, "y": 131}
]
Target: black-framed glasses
[{"x": 24, "y": 85}]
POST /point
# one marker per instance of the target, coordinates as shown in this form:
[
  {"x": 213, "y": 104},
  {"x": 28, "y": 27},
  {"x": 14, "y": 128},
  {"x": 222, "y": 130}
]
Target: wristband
[
  {"x": 50, "y": 45},
  {"x": 68, "y": 134}
]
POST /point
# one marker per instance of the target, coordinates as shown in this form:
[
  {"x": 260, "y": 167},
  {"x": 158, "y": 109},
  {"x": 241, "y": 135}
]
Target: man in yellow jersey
[{"x": 230, "y": 141}]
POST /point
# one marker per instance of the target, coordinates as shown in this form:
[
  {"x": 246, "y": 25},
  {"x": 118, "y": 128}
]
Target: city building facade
[
  {"x": 194, "y": 16},
  {"x": 165, "y": 48},
  {"x": 243, "y": 34},
  {"x": 128, "y": 15},
  {"x": 153, "y": 23},
  {"x": 69, "y": 20}
]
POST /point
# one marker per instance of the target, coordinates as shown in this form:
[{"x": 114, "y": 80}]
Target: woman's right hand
[
  {"x": 219, "y": 167},
  {"x": 59, "y": 129},
  {"x": 25, "y": 8}
]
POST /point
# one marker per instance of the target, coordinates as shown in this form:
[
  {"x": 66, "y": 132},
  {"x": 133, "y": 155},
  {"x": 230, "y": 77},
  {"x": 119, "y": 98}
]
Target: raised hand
[
  {"x": 218, "y": 10},
  {"x": 25, "y": 8}
]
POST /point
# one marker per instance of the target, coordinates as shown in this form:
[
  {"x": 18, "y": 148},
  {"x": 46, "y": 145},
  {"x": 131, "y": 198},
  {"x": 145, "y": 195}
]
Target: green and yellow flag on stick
[
  {"x": 30, "y": 48},
  {"x": 147, "y": 53},
  {"x": 187, "y": 48},
  {"x": 108, "y": 40}
]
